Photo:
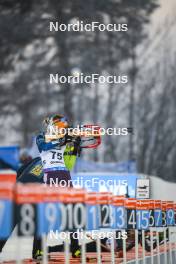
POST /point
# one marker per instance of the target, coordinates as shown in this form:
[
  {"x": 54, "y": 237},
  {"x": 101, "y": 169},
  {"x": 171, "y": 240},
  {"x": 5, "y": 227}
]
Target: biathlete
[{"x": 58, "y": 157}]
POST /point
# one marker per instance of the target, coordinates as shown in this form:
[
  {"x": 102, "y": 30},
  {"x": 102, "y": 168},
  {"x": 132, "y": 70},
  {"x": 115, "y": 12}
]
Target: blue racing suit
[
  {"x": 52, "y": 156},
  {"x": 44, "y": 146}
]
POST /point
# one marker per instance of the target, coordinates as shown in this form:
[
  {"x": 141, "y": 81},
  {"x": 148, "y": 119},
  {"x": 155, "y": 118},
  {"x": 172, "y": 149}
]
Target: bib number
[{"x": 56, "y": 155}]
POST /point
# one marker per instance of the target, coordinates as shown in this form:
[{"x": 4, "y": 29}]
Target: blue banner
[{"x": 10, "y": 156}]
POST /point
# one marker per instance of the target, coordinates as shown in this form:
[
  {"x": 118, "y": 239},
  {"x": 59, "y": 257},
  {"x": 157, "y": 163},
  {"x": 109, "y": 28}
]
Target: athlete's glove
[
  {"x": 71, "y": 139},
  {"x": 76, "y": 141}
]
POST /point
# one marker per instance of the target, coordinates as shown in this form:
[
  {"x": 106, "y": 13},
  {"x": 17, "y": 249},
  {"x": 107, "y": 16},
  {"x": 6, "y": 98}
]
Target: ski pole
[
  {"x": 151, "y": 239},
  {"x": 67, "y": 248},
  {"x": 44, "y": 246},
  {"x": 165, "y": 246},
  {"x": 83, "y": 248},
  {"x": 18, "y": 245},
  {"x": 98, "y": 250},
  {"x": 170, "y": 245},
  {"x": 158, "y": 247},
  {"x": 143, "y": 246},
  {"x": 113, "y": 248},
  {"x": 124, "y": 252},
  {"x": 136, "y": 246}
]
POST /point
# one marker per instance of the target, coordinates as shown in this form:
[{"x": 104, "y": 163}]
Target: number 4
[{"x": 131, "y": 220}]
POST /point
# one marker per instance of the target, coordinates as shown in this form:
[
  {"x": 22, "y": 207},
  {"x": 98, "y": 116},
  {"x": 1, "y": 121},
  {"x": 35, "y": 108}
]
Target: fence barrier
[{"x": 136, "y": 231}]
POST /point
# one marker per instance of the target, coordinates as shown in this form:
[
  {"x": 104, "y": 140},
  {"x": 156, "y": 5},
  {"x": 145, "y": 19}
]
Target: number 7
[{"x": 54, "y": 154}]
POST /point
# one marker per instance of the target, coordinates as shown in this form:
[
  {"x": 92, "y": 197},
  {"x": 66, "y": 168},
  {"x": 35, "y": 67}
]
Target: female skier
[{"x": 58, "y": 156}]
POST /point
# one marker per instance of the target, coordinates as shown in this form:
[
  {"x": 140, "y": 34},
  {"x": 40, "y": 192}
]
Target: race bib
[{"x": 54, "y": 158}]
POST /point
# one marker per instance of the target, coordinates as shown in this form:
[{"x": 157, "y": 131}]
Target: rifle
[{"x": 89, "y": 135}]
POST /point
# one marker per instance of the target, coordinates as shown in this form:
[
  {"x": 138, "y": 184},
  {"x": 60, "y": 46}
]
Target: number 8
[{"x": 27, "y": 225}]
